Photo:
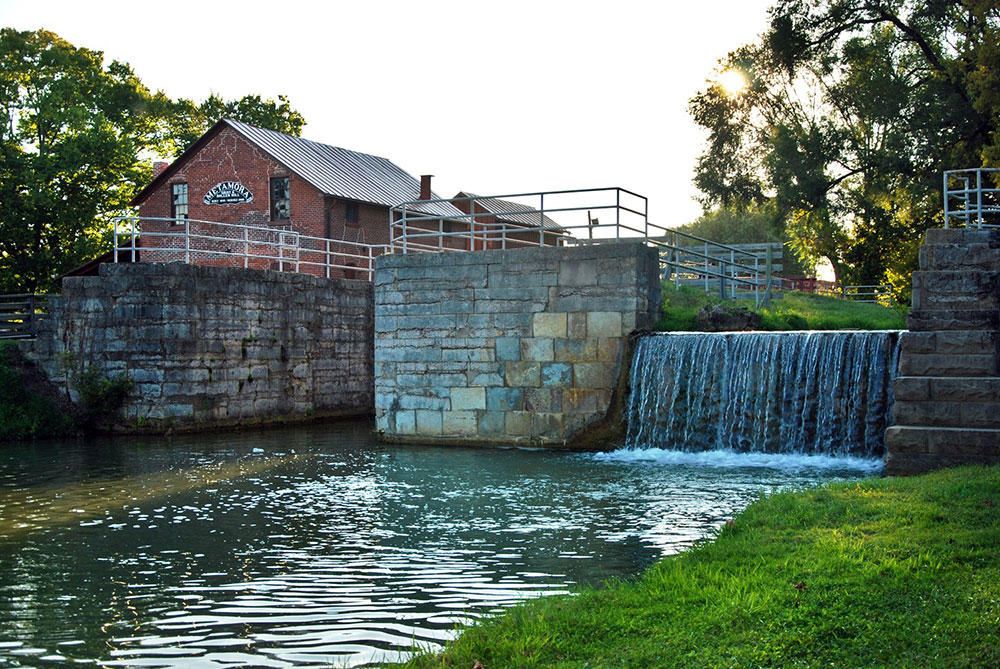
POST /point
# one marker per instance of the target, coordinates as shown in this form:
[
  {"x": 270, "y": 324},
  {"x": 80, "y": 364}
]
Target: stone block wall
[
  {"x": 213, "y": 345},
  {"x": 947, "y": 395},
  {"x": 516, "y": 346}
]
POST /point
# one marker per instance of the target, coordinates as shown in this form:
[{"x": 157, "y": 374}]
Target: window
[
  {"x": 351, "y": 212},
  {"x": 179, "y": 202},
  {"x": 280, "y": 200}
]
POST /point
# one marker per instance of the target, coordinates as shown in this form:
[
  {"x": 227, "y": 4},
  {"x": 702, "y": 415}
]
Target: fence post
[
  {"x": 541, "y": 219},
  {"x": 187, "y": 241},
  {"x": 328, "y": 258},
  {"x": 677, "y": 263},
  {"x": 246, "y": 247},
  {"x": 706, "y": 267}
]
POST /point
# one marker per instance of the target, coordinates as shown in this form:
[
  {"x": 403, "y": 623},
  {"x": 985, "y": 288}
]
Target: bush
[
  {"x": 100, "y": 397},
  {"x": 25, "y": 411}
]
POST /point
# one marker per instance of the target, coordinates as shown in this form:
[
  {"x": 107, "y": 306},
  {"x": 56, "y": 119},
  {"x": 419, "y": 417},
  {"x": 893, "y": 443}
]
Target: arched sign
[{"x": 228, "y": 192}]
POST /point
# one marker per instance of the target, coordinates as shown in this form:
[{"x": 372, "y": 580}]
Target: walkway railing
[
  {"x": 971, "y": 198},
  {"x": 233, "y": 245},
  {"x": 19, "y": 315},
  {"x": 876, "y": 294},
  {"x": 585, "y": 216}
]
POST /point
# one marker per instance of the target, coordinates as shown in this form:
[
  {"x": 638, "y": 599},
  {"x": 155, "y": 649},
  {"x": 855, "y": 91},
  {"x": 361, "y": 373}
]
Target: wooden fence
[{"x": 19, "y": 315}]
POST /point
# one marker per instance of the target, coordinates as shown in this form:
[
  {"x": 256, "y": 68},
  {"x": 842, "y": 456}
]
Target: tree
[
  {"x": 76, "y": 142},
  {"x": 851, "y": 111}
]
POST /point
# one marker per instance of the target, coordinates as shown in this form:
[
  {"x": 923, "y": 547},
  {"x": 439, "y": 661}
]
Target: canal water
[{"x": 319, "y": 546}]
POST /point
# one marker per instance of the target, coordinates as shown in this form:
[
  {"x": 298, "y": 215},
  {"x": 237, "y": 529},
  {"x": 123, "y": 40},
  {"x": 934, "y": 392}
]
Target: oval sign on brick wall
[{"x": 228, "y": 192}]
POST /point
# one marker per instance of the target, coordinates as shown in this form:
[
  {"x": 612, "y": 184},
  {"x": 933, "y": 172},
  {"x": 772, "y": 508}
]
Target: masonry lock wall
[
  {"x": 517, "y": 346},
  {"x": 215, "y": 346}
]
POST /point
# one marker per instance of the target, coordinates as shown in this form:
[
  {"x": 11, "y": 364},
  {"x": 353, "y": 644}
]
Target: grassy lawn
[
  {"x": 885, "y": 572},
  {"x": 794, "y": 311}
]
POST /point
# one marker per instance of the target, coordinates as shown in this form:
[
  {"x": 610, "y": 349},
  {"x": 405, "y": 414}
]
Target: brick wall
[
  {"x": 518, "y": 346},
  {"x": 230, "y": 157},
  {"x": 212, "y": 345}
]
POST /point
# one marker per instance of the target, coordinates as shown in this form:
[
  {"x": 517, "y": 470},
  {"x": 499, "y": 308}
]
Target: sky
[{"x": 490, "y": 97}]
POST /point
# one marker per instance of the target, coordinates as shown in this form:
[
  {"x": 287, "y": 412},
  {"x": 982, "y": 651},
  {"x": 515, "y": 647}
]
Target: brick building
[{"x": 247, "y": 177}]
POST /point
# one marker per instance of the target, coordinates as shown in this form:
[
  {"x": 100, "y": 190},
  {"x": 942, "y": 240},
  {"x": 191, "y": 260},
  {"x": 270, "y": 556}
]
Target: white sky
[{"x": 492, "y": 98}]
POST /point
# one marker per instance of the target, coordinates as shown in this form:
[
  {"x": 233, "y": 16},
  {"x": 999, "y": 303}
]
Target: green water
[{"x": 318, "y": 545}]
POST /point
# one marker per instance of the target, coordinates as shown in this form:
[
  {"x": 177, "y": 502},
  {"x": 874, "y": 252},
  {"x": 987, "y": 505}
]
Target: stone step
[
  {"x": 984, "y": 257},
  {"x": 964, "y": 342},
  {"x": 913, "y": 449},
  {"x": 962, "y": 236},
  {"x": 933, "y": 320},
  {"x": 956, "y": 290},
  {"x": 947, "y": 389},
  {"x": 954, "y": 413},
  {"x": 948, "y": 364}
]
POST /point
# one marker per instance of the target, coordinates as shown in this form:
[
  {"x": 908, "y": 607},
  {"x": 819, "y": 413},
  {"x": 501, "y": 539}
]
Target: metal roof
[
  {"x": 524, "y": 215},
  {"x": 342, "y": 173}
]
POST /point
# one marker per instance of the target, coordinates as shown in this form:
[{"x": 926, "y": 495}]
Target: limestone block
[
  {"x": 916, "y": 388},
  {"x": 940, "y": 364},
  {"x": 504, "y": 399},
  {"x": 576, "y": 325},
  {"x": 593, "y": 375},
  {"x": 517, "y": 423},
  {"x": 537, "y": 349},
  {"x": 581, "y": 400},
  {"x": 986, "y": 389},
  {"x": 458, "y": 422},
  {"x": 429, "y": 422},
  {"x": 542, "y": 399},
  {"x": 522, "y": 374},
  {"x": 466, "y": 399},
  {"x": 577, "y": 273},
  {"x": 927, "y": 413},
  {"x": 550, "y": 325},
  {"x": 468, "y": 355},
  {"x": 549, "y": 425},
  {"x": 609, "y": 349},
  {"x": 508, "y": 348},
  {"x": 575, "y": 350},
  {"x": 604, "y": 324},
  {"x": 557, "y": 374},
  {"x": 492, "y": 422}
]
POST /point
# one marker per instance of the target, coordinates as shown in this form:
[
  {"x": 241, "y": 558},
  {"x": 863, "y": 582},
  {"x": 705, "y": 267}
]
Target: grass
[
  {"x": 25, "y": 412},
  {"x": 883, "y": 572},
  {"x": 794, "y": 311}
]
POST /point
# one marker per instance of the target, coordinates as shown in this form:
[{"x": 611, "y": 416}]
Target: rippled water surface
[{"x": 319, "y": 546}]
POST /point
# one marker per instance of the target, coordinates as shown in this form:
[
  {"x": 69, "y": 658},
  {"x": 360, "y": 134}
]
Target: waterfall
[{"x": 782, "y": 392}]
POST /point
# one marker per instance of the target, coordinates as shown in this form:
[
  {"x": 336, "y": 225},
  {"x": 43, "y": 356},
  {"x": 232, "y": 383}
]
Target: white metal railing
[
  {"x": 527, "y": 221},
  {"x": 971, "y": 198},
  {"x": 196, "y": 241}
]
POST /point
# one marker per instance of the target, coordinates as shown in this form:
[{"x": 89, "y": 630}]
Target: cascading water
[{"x": 790, "y": 392}]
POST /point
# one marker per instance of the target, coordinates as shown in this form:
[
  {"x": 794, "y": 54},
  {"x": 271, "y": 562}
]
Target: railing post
[
  {"x": 618, "y": 213},
  {"x": 328, "y": 258},
  {"x": 706, "y": 267},
  {"x": 134, "y": 251},
  {"x": 440, "y": 235},
  {"x": 187, "y": 241},
  {"x": 31, "y": 314},
  {"x": 246, "y": 247},
  {"x": 979, "y": 198},
  {"x": 541, "y": 220},
  {"x": 677, "y": 263},
  {"x": 944, "y": 190},
  {"x": 404, "y": 229},
  {"x": 732, "y": 274},
  {"x": 472, "y": 224}
]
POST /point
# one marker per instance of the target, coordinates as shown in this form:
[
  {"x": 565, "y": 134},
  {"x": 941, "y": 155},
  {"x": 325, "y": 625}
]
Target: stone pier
[
  {"x": 947, "y": 395},
  {"x": 507, "y": 347}
]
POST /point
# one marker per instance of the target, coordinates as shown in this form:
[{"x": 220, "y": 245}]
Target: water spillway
[{"x": 785, "y": 392}]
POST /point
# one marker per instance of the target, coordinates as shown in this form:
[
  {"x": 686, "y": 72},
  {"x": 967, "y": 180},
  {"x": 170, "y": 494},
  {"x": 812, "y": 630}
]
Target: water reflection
[{"x": 317, "y": 545}]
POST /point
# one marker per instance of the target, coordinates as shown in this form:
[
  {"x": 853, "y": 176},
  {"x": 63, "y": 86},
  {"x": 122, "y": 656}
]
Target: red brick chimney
[
  {"x": 159, "y": 167},
  {"x": 425, "y": 186}
]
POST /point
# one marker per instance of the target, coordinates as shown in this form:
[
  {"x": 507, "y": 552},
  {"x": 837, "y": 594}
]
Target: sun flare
[{"x": 733, "y": 82}]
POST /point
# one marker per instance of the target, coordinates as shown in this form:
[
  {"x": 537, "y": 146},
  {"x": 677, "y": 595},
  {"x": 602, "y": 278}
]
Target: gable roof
[
  {"x": 513, "y": 212},
  {"x": 334, "y": 171}
]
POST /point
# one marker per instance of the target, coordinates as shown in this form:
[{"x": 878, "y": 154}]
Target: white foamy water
[{"x": 791, "y": 462}]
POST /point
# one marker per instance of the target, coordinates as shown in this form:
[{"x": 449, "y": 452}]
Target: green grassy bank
[
  {"x": 794, "y": 311},
  {"x": 885, "y": 572}
]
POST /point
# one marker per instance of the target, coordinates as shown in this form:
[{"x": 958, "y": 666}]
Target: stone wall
[
  {"x": 212, "y": 345},
  {"x": 517, "y": 346},
  {"x": 947, "y": 395}
]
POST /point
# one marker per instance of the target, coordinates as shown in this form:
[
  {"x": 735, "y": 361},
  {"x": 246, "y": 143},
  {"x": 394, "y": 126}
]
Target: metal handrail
[
  {"x": 291, "y": 250},
  {"x": 973, "y": 203}
]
